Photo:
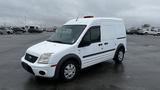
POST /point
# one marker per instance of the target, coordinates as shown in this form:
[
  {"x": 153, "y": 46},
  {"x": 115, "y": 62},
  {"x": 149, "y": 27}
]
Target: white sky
[{"x": 57, "y": 12}]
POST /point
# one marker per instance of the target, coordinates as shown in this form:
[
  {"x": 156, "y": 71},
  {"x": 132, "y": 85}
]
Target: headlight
[{"x": 45, "y": 58}]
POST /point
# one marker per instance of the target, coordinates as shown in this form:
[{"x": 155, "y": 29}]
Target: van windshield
[{"x": 67, "y": 34}]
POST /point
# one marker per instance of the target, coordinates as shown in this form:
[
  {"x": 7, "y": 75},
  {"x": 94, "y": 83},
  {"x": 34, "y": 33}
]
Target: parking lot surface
[{"x": 139, "y": 71}]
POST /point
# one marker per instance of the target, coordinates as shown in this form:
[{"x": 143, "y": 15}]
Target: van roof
[{"x": 86, "y": 21}]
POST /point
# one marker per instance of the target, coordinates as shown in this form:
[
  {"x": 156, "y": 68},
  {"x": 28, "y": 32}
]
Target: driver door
[{"x": 91, "y": 46}]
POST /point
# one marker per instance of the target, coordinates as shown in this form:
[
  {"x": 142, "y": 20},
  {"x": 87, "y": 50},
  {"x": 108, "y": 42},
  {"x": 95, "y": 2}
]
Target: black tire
[
  {"x": 8, "y": 33},
  {"x": 73, "y": 75},
  {"x": 145, "y": 33},
  {"x": 119, "y": 56}
]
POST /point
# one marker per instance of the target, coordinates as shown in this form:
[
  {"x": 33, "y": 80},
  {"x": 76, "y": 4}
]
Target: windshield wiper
[{"x": 56, "y": 41}]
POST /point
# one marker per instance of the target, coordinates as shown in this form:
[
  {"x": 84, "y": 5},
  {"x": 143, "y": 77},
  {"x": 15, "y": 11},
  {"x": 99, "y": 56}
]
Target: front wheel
[
  {"x": 69, "y": 70},
  {"x": 119, "y": 56}
]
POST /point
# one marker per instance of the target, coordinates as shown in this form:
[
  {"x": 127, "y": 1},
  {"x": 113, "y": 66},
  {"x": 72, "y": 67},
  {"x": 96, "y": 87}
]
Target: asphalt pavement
[{"x": 139, "y": 71}]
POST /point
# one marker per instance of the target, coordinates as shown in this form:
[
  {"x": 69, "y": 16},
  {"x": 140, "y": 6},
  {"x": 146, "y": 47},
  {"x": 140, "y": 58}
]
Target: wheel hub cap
[
  {"x": 120, "y": 56},
  {"x": 69, "y": 71}
]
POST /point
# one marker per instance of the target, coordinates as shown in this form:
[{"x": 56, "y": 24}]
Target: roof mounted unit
[{"x": 88, "y": 16}]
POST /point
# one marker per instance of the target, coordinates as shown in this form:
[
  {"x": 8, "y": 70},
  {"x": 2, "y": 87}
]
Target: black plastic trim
[
  {"x": 64, "y": 59},
  {"x": 27, "y": 67},
  {"x": 121, "y": 38},
  {"x": 98, "y": 53}
]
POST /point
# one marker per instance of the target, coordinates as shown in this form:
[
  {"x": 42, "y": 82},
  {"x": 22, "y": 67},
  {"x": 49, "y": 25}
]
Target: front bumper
[{"x": 42, "y": 70}]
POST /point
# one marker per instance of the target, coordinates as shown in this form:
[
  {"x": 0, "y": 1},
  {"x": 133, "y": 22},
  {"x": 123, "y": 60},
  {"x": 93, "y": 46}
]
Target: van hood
[{"x": 47, "y": 47}]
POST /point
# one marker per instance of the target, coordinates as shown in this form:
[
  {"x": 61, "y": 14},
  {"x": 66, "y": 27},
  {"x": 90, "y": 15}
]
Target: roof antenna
[{"x": 77, "y": 18}]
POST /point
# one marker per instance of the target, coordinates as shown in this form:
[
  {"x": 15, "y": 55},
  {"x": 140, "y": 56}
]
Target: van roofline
[
  {"x": 86, "y": 21},
  {"x": 100, "y": 18}
]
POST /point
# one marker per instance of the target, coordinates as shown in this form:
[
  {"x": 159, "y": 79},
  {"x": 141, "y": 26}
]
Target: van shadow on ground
[{"x": 106, "y": 71}]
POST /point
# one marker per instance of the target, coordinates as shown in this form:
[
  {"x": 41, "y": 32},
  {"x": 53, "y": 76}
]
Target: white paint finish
[
  {"x": 111, "y": 29},
  {"x": 47, "y": 47},
  {"x": 88, "y": 50}
]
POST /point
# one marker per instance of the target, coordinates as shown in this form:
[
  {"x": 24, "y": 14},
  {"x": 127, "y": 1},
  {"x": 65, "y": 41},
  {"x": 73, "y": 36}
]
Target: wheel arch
[
  {"x": 121, "y": 46},
  {"x": 64, "y": 59}
]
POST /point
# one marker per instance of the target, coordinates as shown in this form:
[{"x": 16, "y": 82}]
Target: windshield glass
[{"x": 67, "y": 34}]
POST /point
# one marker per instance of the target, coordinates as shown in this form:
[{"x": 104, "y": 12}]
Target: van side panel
[
  {"x": 121, "y": 34},
  {"x": 112, "y": 34},
  {"x": 108, "y": 37}
]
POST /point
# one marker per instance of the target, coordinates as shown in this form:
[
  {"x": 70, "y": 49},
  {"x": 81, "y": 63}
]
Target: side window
[
  {"x": 87, "y": 37},
  {"x": 95, "y": 34}
]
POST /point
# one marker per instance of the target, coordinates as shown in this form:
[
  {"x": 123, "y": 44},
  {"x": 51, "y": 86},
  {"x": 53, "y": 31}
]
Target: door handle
[
  {"x": 100, "y": 44},
  {"x": 106, "y": 43}
]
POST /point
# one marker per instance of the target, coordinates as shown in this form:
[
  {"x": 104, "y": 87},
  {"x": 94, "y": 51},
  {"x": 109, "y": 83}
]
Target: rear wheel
[
  {"x": 8, "y": 33},
  {"x": 119, "y": 56},
  {"x": 145, "y": 33},
  {"x": 69, "y": 70}
]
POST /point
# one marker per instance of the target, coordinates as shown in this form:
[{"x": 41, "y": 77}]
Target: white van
[{"x": 78, "y": 44}]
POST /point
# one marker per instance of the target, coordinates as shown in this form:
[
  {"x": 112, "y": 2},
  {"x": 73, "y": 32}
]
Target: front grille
[
  {"x": 27, "y": 68},
  {"x": 30, "y": 58}
]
